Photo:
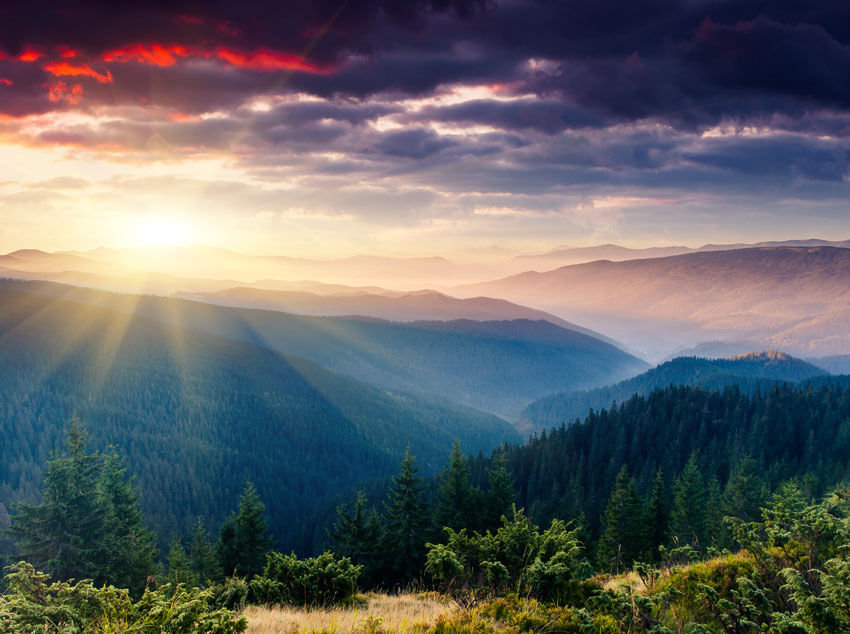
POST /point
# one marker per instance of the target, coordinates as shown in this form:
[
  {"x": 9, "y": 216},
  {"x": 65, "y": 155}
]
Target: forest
[{"x": 741, "y": 524}]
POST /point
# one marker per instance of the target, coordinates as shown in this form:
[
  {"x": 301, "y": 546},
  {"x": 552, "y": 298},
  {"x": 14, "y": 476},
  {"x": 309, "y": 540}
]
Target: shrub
[
  {"x": 33, "y": 602},
  {"x": 322, "y": 580}
]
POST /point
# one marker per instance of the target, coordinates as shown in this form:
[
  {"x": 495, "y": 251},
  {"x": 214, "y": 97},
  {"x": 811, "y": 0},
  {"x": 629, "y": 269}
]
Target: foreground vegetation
[{"x": 741, "y": 551}]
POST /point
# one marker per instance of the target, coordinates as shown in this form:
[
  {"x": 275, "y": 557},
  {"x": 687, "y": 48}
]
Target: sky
[{"x": 418, "y": 127}]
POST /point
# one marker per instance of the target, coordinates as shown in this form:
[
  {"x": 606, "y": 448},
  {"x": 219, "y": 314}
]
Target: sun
[{"x": 162, "y": 232}]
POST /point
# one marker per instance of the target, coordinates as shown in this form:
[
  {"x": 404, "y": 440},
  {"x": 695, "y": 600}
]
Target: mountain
[
  {"x": 796, "y": 299},
  {"x": 195, "y": 415},
  {"x": 748, "y": 371},
  {"x": 417, "y": 306},
  {"x": 498, "y": 366},
  {"x": 616, "y": 253}
]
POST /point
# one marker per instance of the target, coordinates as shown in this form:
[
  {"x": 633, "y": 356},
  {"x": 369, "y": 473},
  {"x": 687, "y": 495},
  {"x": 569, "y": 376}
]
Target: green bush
[
  {"x": 33, "y": 602},
  {"x": 322, "y": 580}
]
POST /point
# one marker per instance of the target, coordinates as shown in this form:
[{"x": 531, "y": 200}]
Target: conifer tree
[
  {"x": 688, "y": 517},
  {"x": 202, "y": 556},
  {"x": 501, "y": 494},
  {"x": 745, "y": 492},
  {"x": 658, "y": 515},
  {"x": 358, "y": 535},
  {"x": 456, "y": 495},
  {"x": 131, "y": 545},
  {"x": 244, "y": 540},
  {"x": 624, "y": 539},
  {"x": 408, "y": 520},
  {"x": 179, "y": 569},
  {"x": 89, "y": 523}
]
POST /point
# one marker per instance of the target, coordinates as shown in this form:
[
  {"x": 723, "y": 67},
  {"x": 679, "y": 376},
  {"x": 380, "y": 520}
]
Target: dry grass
[{"x": 404, "y": 613}]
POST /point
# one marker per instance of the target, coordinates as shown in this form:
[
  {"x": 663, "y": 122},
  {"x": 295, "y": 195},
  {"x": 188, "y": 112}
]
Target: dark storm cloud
[{"x": 690, "y": 63}]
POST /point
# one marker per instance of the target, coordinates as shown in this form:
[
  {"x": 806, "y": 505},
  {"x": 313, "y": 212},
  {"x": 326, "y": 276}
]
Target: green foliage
[
  {"x": 689, "y": 515},
  {"x": 625, "y": 538},
  {"x": 408, "y": 521},
  {"x": 358, "y": 535},
  {"x": 458, "y": 501},
  {"x": 323, "y": 580},
  {"x": 516, "y": 556},
  {"x": 89, "y": 523},
  {"x": 32, "y": 602},
  {"x": 203, "y": 560},
  {"x": 243, "y": 539}
]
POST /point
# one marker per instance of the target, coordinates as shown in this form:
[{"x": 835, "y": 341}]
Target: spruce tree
[
  {"x": 456, "y": 495},
  {"x": 357, "y": 535},
  {"x": 745, "y": 492},
  {"x": 408, "y": 520},
  {"x": 202, "y": 556},
  {"x": 130, "y": 545},
  {"x": 624, "y": 540},
  {"x": 688, "y": 517},
  {"x": 244, "y": 540},
  {"x": 658, "y": 515},
  {"x": 501, "y": 494},
  {"x": 89, "y": 523},
  {"x": 179, "y": 569}
]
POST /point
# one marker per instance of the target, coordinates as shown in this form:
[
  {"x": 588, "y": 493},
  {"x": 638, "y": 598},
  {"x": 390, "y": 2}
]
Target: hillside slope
[
  {"x": 498, "y": 367},
  {"x": 757, "y": 369},
  {"x": 195, "y": 415},
  {"x": 796, "y": 299}
]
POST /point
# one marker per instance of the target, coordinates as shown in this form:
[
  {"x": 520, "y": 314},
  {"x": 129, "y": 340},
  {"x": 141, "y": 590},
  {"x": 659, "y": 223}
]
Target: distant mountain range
[
  {"x": 495, "y": 366},
  {"x": 616, "y": 253},
  {"x": 749, "y": 371},
  {"x": 796, "y": 299},
  {"x": 405, "y": 307}
]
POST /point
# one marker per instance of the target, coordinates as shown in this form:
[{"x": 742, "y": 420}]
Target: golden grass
[{"x": 403, "y": 613}]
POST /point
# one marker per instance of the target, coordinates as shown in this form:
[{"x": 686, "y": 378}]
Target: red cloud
[
  {"x": 154, "y": 54},
  {"x": 60, "y": 91},
  {"x": 266, "y": 60},
  {"x": 168, "y": 55},
  {"x": 30, "y": 55},
  {"x": 64, "y": 68},
  {"x": 68, "y": 53},
  {"x": 5, "y": 82}
]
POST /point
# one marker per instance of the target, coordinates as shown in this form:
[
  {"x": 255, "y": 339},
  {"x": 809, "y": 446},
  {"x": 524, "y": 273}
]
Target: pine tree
[
  {"x": 658, "y": 514},
  {"x": 456, "y": 495},
  {"x": 624, "y": 539},
  {"x": 358, "y": 535},
  {"x": 179, "y": 569},
  {"x": 745, "y": 491},
  {"x": 244, "y": 540},
  {"x": 501, "y": 494},
  {"x": 89, "y": 523},
  {"x": 408, "y": 520},
  {"x": 202, "y": 556},
  {"x": 131, "y": 546},
  {"x": 688, "y": 517}
]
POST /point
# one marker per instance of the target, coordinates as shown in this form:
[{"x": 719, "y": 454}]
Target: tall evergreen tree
[
  {"x": 202, "y": 556},
  {"x": 358, "y": 535},
  {"x": 501, "y": 493},
  {"x": 688, "y": 517},
  {"x": 745, "y": 493},
  {"x": 657, "y": 514},
  {"x": 244, "y": 540},
  {"x": 89, "y": 523},
  {"x": 455, "y": 506},
  {"x": 624, "y": 538},
  {"x": 131, "y": 545},
  {"x": 408, "y": 520}
]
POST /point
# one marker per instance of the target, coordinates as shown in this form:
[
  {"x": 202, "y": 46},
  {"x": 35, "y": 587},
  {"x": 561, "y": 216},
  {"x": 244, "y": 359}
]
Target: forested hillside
[
  {"x": 785, "y": 432},
  {"x": 499, "y": 367},
  {"x": 196, "y": 415},
  {"x": 748, "y": 372}
]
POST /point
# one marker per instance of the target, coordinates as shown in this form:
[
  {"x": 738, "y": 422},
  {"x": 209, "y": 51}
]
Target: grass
[{"x": 403, "y": 613}]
